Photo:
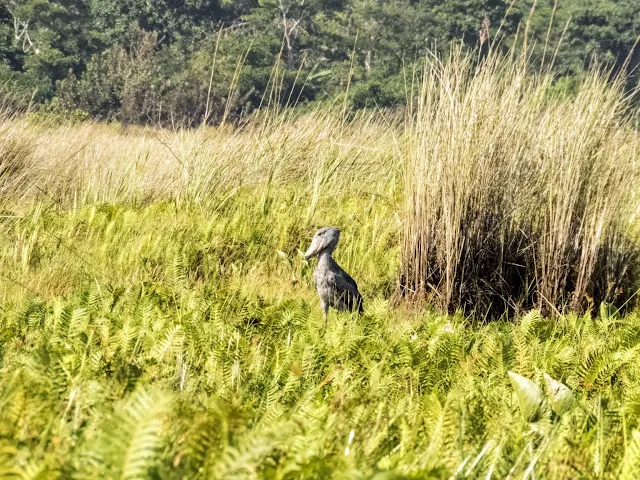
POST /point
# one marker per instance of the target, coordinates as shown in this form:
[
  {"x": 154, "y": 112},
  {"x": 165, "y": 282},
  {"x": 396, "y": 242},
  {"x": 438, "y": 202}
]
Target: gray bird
[{"x": 335, "y": 287}]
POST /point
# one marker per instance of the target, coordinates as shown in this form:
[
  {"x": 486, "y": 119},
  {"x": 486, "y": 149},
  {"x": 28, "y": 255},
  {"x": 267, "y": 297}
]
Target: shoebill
[{"x": 335, "y": 287}]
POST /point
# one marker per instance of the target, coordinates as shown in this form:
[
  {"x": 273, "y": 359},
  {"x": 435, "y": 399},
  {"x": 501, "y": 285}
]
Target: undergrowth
[{"x": 173, "y": 344}]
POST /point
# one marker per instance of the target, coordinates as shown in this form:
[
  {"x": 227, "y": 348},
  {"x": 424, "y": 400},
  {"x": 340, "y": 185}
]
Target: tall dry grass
[
  {"x": 319, "y": 153},
  {"x": 517, "y": 195}
]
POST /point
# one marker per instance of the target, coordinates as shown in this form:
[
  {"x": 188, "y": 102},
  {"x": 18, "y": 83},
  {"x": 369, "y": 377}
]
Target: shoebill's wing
[{"x": 346, "y": 295}]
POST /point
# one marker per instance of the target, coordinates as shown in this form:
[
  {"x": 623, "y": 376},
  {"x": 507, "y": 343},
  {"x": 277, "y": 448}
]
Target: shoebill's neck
[{"x": 324, "y": 258}]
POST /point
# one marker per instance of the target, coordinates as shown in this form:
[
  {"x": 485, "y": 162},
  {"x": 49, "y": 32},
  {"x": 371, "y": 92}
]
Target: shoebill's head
[{"x": 324, "y": 241}]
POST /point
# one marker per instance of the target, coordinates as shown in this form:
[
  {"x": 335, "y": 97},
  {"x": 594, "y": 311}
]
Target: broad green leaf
[
  {"x": 561, "y": 397},
  {"x": 530, "y": 396}
]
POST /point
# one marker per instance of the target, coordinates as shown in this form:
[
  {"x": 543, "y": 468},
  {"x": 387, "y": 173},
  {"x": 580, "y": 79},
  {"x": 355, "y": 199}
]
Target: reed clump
[{"x": 518, "y": 195}]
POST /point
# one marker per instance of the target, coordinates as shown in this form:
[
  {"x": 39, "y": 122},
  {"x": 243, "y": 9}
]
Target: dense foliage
[
  {"x": 200, "y": 353},
  {"x": 185, "y": 61}
]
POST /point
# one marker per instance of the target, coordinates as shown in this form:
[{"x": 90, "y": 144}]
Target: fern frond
[
  {"x": 94, "y": 298},
  {"x": 79, "y": 322},
  {"x": 171, "y": 342},
  {"x": 524, "y": 354},
  {"x": 8, "y": 467},
  {"x": 35, "y": 313},
  {"x": 179, "y": 271},
  {"x": 630, "y": 466},
  {"x": 128, "y": 443},
  {"x": 529, "y": 322}
]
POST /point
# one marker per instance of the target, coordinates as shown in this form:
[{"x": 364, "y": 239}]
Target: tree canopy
[{"x": 189, "y": 60}]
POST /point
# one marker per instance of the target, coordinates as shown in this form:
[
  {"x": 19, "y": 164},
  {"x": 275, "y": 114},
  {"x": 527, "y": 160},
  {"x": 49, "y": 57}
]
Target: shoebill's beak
[{"x": 315, "y": 248}]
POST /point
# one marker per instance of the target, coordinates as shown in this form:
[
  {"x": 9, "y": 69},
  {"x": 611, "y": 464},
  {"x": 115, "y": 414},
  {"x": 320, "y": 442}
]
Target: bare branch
[{"x": 21, "y": 33}]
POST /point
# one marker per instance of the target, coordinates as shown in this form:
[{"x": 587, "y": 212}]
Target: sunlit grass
[{"x": 158, "y": 320}]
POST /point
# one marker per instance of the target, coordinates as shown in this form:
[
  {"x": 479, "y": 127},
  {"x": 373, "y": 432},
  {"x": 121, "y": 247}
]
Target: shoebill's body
[{"x": 335, "y": 287}]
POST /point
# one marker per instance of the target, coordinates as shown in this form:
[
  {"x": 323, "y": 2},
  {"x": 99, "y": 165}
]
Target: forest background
[{"x": 187, "y": 61}]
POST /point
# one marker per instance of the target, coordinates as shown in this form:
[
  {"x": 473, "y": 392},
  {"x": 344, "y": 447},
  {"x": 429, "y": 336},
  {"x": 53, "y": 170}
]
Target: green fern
[
  {"x": 630, "y": 466},
  {"x": 129, "y": 442},
  {"x": 529, "y": 322},
  {"x": 8, "y": 467},
  {"x": 179, "y": 271},
  {"x": 171, "y": 342},
  {"x": 219, "y": 367}
]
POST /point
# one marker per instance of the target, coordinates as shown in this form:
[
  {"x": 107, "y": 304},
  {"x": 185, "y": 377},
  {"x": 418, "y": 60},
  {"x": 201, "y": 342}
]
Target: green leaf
[
  {"x": 320, "y": 74},
  {"x": 8, "y": 464},
  {"x": 561, "y": 397},
  {"x": 530, "y": 396},
  {"x": 606, "y": 311},
  {"x": 284, "y": 256}
]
